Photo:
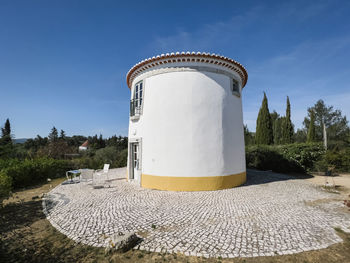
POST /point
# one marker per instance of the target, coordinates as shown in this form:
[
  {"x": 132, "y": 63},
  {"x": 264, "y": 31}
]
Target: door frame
[{"x": 133, "y": 141}]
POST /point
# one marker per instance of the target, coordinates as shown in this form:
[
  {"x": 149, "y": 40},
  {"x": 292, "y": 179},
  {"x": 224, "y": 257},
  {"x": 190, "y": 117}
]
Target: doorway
[{"x": 135, "y": 159}]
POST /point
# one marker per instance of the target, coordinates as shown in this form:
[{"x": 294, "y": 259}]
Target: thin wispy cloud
[
  {"x": 211, "y": 35},
  {"x": 73, "y": 77},
  {"x": 304, "y": 71},
  {"x": 310, "y": 71},
  {"x": 208, "y": 36}
]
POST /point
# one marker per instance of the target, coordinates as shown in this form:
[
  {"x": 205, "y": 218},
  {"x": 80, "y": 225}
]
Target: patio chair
[
  {"x": 100, "y": 177},
  {"x": 72, "y": 176},
  {"x": 86, "y": 174}
]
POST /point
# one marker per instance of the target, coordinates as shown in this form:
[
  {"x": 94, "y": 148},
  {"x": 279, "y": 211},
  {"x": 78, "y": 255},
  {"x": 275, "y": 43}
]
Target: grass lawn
[{"x": 26, "y": 236}]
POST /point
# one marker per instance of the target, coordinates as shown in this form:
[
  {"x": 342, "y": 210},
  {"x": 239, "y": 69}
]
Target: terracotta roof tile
[{"x": 151, "y": 62}]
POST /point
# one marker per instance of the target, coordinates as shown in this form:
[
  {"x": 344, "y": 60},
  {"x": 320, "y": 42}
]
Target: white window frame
[
  {"x": 140, "y": 100},
  {"x": 235, "y": 92}
]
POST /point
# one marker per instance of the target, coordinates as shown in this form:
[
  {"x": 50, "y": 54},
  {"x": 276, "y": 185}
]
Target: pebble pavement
[{"x": 270, "y": 215}]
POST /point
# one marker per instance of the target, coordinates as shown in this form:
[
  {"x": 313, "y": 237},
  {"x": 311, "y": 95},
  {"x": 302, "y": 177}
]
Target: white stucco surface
[{"x": 191, "y": 124}]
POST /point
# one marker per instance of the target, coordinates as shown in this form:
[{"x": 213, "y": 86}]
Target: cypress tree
[
  {"x": 248, "y": 136},
  {"x": 287, "y": 128},
  {"x": 277, "y": 130},
  {"x": 62, "y": 135},
  {"x": 264, "y": 132},
  {"x": 6, "y": 131},
  {"x": 6, "y": 147},
  {"x": 311, "y": 132},
  {"x": 53, "y": 136}
]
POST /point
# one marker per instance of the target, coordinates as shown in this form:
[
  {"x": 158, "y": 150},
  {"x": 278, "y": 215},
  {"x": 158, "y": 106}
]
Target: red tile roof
[
  {"x": 85, "y": 144},
  {"x": 191, "y": 57}
]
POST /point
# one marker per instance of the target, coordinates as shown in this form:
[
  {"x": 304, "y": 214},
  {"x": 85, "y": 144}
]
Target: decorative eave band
[{"x": 187, "y": 57}]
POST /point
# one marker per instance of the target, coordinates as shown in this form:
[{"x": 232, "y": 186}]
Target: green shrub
[
  {"x": 265, "y": 157},
  {"x": 5, "y": 186},
  {"x": 121, "y": 160},
  {"x": 88, "y": 162},
  {"x": 4, "y": 163},
  {"x": 32, "y": 171},
  {"x": 304, "y": 154},
  {"x": 105, "y": 155},
  {"x": 337, "y": 159},
  {"x": 299, "y": 158}
]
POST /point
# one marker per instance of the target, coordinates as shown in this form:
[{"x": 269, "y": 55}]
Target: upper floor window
[
  {"x": 235, "y": 88},
  {"x": 136, "y": 101}
]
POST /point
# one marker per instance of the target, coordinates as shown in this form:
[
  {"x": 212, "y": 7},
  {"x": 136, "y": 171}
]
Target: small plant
[
  {"x": 154, "y": 226},
  {"x": 140, "y": 256},
  {"x": 338, "y": 229}
]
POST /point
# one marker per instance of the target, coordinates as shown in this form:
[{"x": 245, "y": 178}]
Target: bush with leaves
[
  {"x": 290, "y": 158},
  {"x": 121, "y": 160},
  {"x": 94, "y": 159},
  {"x": 304, "y": 154},
  {"x": 5, "y": 186},
  {"x": 106, "y": 155},
  {"x": 265, "y": 157},
  {"x": 337, "y": 160},
  {"x": 29, "y": 172}
]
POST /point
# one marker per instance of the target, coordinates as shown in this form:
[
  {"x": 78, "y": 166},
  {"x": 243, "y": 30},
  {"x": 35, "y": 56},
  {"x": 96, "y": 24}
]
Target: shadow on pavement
[{"x": 263, "y": 177}]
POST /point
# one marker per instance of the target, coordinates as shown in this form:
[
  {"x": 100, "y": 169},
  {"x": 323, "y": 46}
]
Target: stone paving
[{"x": 271, "y": 214}]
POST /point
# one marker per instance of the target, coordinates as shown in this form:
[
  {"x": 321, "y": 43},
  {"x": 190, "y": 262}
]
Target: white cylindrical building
[{"x": 186, "y": 122}]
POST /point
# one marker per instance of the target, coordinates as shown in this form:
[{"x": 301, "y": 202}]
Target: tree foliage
[
  {"x": 96, "y": 142},
  {"x": 311, "y": 133},
  {"x": 6, "y": 131},
  {"x": 287, "y": 126},
  {"x": 6, "y": 146},
  {"x": 284, "y": 158},
  {"x": 53, "y": 136},
  {"x": 117, "y": 141},
  {"x": 276, "y": 120},
  {"x": 62, "y": 135},
  {"x": 279, "y": 130},
  {"x": 5, "y": 186},
  {"x": 336, "y": 124},
  {"x": 248, "y": 136},
  {"x": 264, "y": 132},
  {"x": 33, "y": 145},
  {"x": 300, "y": 136}
]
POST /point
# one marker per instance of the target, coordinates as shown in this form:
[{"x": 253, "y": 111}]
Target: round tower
[{"x": 186, "y": 122}]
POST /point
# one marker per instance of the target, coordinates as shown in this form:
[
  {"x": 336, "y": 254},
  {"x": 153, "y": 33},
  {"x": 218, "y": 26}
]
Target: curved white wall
[{"x": 191, "y": 124}]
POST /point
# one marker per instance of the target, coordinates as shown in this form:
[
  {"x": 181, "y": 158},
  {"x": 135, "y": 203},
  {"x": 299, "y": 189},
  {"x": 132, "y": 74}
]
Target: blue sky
[{"x": 63, "y": 63}]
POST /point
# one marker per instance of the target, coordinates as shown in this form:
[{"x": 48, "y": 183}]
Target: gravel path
[{"x": 271, "y": 214}]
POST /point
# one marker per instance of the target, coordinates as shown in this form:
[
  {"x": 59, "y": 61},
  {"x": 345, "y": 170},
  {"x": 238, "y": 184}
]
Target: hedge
[
  {"x": 291, "y": 158},
  {"x": 32, "y": 171},
  {"x": 5, "y": 186},
  {"x": 336, "y": 160},
  {"x": 105, "y": 155}
]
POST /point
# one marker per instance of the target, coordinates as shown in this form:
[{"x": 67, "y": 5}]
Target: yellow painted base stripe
[{"x": 192, "y": 183}]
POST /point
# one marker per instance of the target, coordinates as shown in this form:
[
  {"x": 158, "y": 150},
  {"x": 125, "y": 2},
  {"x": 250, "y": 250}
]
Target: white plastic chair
[
  {"x": 86, "y": 175},
  {"x": 100, "y": 177}
]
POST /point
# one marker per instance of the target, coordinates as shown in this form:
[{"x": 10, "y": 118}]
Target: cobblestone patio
[{"x": 271, "y": 214}]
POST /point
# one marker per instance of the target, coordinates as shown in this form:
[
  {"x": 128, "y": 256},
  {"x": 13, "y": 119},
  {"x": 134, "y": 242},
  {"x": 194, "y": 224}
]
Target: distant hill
[{"x": 20, "y": 140}]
